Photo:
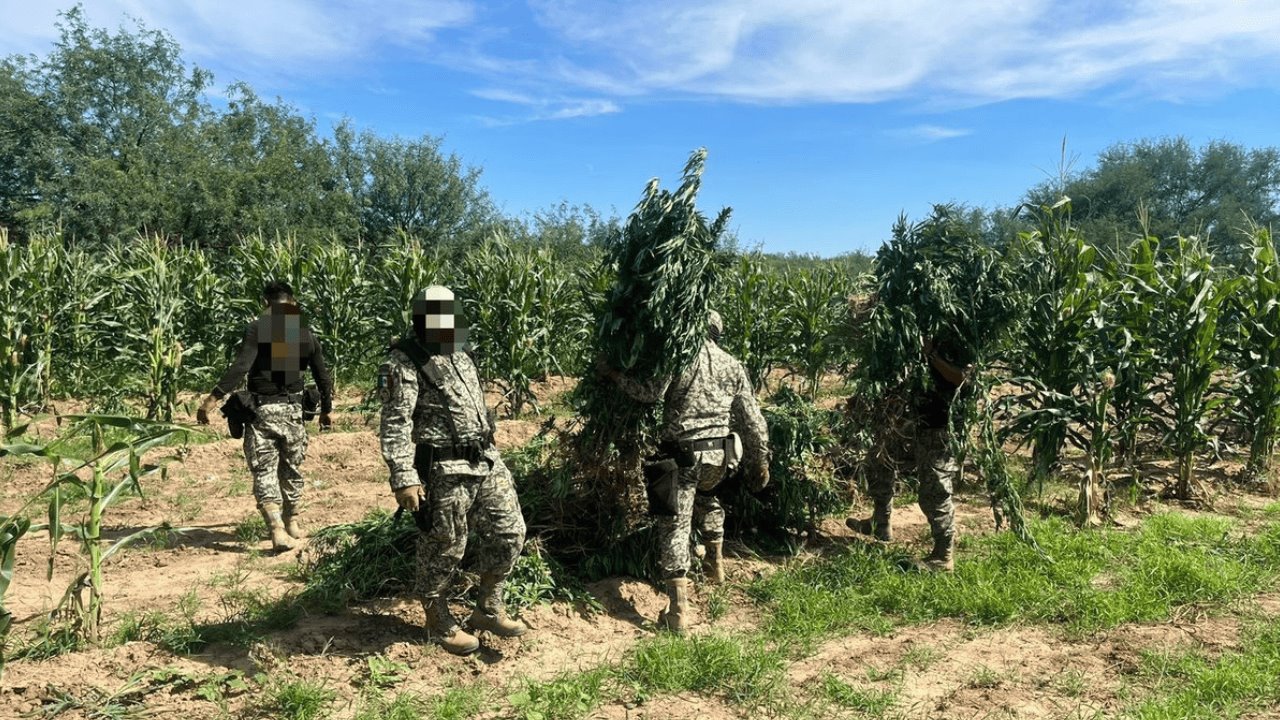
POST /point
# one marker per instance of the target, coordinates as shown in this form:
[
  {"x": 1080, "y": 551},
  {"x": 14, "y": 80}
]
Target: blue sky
[{"x": 824, "y": 119}]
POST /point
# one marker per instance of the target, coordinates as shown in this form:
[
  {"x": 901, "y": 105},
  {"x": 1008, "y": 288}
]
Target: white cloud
[
  {"x": 961, "y": 50},
  {"x": 536, "y": 108},
  {"x": 927, "y": 133},
  {"x": 938, "y": 52},
  {"x": 274, "y": 38}
]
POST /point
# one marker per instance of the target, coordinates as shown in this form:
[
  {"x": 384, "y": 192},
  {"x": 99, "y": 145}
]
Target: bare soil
[{"x": 942, "y": 670}]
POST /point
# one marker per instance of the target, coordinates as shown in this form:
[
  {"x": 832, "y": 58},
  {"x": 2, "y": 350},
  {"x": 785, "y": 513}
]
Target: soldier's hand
[
  {"x": 206, "y": 406},
  {"x": 326, "y": 422},
  {"x": 757, "y": 477},
  {"x": 410, "y": 498}
]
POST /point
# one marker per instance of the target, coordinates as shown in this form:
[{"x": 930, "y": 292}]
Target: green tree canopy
[{"x": 1175, "y": 189}]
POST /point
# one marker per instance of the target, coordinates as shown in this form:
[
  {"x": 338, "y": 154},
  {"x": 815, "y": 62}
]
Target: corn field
[{"x": 1157, "y": 351}]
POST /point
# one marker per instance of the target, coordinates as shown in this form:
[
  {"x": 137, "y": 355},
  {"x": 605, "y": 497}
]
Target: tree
[
  {"x": 1174, "y": 189},
  {"x": 411, "y": 186},
  {"x": 89, "y": 127}
]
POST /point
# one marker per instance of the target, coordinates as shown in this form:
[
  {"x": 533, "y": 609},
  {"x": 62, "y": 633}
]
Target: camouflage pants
[
  {"x": 461, "y": 504},
  {"x": 275, "y": 445},
  {"x": 928, "y": 456},
  {"x": 674, "y": 533}
]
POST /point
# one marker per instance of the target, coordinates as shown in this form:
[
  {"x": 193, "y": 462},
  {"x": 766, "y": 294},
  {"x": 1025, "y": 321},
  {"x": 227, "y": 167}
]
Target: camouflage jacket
[
  {"x": 712, "y": 397},
  {"x": 442, "y": 405}
]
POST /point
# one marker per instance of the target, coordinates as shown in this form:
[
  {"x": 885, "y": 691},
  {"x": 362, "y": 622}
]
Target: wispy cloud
[
  {"x": 963, "y": 50},
  {"x": 927, "y": 133},
  {"x": 238, "y": 38},
  {"x": 535, "y": 108},
  {"x": 757, "y": 51}
]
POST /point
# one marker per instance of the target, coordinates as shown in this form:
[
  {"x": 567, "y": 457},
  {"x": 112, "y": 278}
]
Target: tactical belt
[
  {"x": 683, "y": 451},
  {"x": 289, "y": 398},
  {"x": 472, "y": 451}
]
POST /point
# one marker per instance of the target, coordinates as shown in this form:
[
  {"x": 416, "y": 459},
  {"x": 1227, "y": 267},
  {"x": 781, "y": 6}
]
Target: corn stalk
[
  {"x": 1190, "y": 299},
  {"x": 1257, "y": 379},
  {"x": 113, "y": 464},
  {"x": 754, "y": 311}
]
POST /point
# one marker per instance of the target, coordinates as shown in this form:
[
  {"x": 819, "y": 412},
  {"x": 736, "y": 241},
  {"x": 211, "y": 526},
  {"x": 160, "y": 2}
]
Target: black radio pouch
[
  {"x": 240, "y": 409},
  {"x": 310, "y": 403}
]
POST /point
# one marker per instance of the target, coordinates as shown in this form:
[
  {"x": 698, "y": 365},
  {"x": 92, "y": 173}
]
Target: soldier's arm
[
  {"x": 748, "y": 419},
  {"x": 399, "y": 397},
  {"x": 240, "y": 367},
  {"x": 324, "y": 378}
]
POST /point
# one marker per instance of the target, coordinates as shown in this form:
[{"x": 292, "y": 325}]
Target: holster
[
  {"x": 240, "y": 409},
  {"x": 310, "y": 403},
  {"x": 662, "y": 486}
]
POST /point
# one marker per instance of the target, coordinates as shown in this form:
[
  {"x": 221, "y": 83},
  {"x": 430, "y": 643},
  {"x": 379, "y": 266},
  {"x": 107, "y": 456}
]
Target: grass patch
[
  {"x": 744, "y": 670},
  {"x": 1190, "y": 686},
  {"x": 251, "y": 530},
  {"x": 296, "y": 699},
  {"x": 1171, "y": 561},
  {"x": 568, "y": 697},
  {"x": 405, "y": 706},
  {"x": 869, "y": 702}
]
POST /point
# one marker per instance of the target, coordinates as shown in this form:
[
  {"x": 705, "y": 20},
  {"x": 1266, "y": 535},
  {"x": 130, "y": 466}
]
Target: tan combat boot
[
  {"x": 280, "y": 540},
  {"x": 292, "y": 525},
  {"x": 879, "y": 525},
  {"x": 676, "y": 616},
  {"x": 490, "y": 614},
  {"x": 711, "y": 562},
  {"x": 942, "y": 559},
  {"x": 443, "y": 629}
]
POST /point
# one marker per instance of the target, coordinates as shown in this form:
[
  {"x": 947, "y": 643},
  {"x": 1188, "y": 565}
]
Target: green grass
[
  {"x": 1095, "y": 580},
  {"x": 296, "y": 699},
  {"x": 568, "y": 697},
  {"x": 251, "y": 530},
  {"x": 1190, "y": 686},
  {"x": 405, "y": 706},
  {"x": 745, "y": 670},
  {"x": 868, "y": 702}
]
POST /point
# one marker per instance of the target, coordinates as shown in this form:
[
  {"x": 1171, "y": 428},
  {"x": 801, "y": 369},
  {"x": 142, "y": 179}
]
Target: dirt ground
[{"x": 946, "y": 669}]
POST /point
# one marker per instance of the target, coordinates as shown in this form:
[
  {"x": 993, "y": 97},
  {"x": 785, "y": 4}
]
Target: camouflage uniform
[
  {"x": 701, "y": 404},
  {"x": 468, "y": 487},
  {"x": 275, "y": 351},
  {"x": 926, "y": 454},
  {"x": 275, "y": 444}
]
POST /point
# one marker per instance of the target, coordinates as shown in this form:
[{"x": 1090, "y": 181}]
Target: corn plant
[
  {"x": 814, "y": 304},
  {"x": 1190, "y": 298},
  {"x": 28, "y": 303},
  {"x": 1054, "y": 354},
  {"x": 1257, "y": 379},
  {"x": 524, "y": 315},
  {"x": 99, "y": 458},
  {"x": 12, "y": 528},
  {"x": 753, "y": 308},
  {"x": 337, "y": 298},
  {"x": 1129, "y": 314},
  {"x": 150, "y": 299},
  {"x": 402, "y": 270}
]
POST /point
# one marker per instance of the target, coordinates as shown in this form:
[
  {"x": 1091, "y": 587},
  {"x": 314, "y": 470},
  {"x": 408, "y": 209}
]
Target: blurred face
[{"x": 438, "y": 323}]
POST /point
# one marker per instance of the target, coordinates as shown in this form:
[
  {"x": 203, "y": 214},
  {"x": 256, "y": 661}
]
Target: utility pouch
[
  {"x": 662, "y": 486},
  {"x": 310, "y": 403},
  {"x": 240, "y": 409},
  {"x": 733, "y": 452}
]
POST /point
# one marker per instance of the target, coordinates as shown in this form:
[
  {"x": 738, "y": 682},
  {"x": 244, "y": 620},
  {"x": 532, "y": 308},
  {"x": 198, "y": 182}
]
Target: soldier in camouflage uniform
[
  {"x": 696, "y": 452},
  {"x": 437, "y": 440},
  {"x": 925, "y": 451},
  {"x": 275, "y": 351}
]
